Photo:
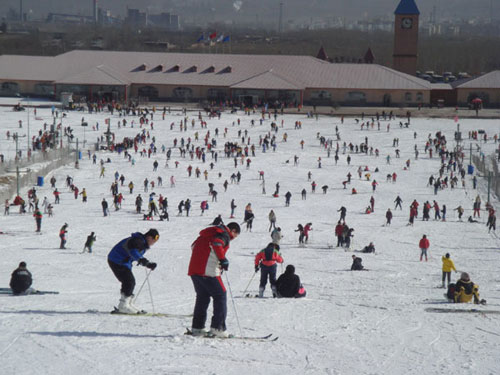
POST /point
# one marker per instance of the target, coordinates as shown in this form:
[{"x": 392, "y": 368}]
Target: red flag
[
  {"x": 456, "y": 118},
  {"x": 213, "y": 35}
]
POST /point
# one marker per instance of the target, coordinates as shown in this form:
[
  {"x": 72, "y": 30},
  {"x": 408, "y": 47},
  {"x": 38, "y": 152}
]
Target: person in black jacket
[
  {"x": 288, "y": 284},
  {"x": 21, "y": 280},
  {"x": 356, "y": 263}
]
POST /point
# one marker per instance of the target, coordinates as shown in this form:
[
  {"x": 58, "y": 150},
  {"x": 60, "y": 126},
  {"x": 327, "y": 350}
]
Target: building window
[
  {"x": 356, "y": 97},
  {"x": 183, "y": 93},
  {"x": 10, "y": 87},
  {"x": 320, "y": 95},
  {"x": 148, "y": 91},
  {"x": 408, "y": 97},
  {"x": 44, "y": 89},
  {"x": 219, "y": 94},
  {"x": 420, "y": 97}
]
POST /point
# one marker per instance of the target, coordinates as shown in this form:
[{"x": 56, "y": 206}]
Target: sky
[{"x": 293, "y": 9}]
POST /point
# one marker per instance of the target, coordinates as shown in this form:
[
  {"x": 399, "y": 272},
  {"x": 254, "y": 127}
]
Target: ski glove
[
  {"x": 257, "y": 268},
  {"x": 224, "y": 264},
  {"x": 143, "y": 262},
  {"x": 151, "y": 266}
]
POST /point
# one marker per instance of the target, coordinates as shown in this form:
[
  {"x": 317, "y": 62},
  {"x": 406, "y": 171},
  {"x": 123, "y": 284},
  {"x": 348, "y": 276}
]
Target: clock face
[{"x": 406, "y": 23}]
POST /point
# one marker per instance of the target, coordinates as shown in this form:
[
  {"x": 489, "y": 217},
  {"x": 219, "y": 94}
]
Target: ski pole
[
  {"x": 249, "y": 283},
  {"x": 234, "y": 305},
  {"x": 142, "y": 286},
  {"x": 149, "y": 287}
]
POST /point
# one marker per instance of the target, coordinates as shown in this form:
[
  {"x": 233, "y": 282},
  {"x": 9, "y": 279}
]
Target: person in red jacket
[
  {"x": 339, "y": 229},
  {"x": 307, "y": 229},
  {"x": 208, "y": 259},
  {"x": 424, "y": 245},
  {"x": 266, "y": 260}
]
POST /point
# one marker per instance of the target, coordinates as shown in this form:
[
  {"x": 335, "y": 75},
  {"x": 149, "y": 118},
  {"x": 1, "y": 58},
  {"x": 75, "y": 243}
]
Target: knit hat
[
  {"x": 464, "y": 276},
  {"x": 290, "y": 269}
]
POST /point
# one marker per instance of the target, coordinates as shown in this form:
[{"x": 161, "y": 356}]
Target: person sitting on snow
[
  {"x": 464, "y": 290},
  {"x": 288, "y": 284},
  {"x": 369, "y": 248},
  {"x": 21, "y": 280},
  {"x": 356, "y": 263}
]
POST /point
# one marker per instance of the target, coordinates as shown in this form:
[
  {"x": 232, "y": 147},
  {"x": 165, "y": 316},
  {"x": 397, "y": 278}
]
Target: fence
[
  {"x": 489, "y": 164},
  {"x": 40, "y": 164}
]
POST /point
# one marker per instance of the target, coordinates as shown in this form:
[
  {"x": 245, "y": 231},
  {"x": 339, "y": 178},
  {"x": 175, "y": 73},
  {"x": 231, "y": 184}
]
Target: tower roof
[
  {"x": 369, "y": 57},
  {"x": 322, "y": 54},
  {"x": 407, "y": 7}
]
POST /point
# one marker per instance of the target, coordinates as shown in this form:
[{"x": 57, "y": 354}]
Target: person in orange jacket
[
  {"x": 424, "y": 245},
  {"x": 266, "y": 260}
]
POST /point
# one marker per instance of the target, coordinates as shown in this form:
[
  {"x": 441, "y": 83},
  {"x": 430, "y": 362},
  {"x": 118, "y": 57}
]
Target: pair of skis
[
  {"x": 190, "y": 333},
  {"x": 268, "y": 338}
]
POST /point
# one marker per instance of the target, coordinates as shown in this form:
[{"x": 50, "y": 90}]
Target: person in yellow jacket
[
  {"x": 465, "y": 290},
  {"x": 448, "y": 265}
]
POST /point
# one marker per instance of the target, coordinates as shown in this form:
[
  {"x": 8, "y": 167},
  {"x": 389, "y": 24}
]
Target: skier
[
  {"x": 104, "y": 205},
  {"x": 492, "y": 223},
  {"x": 307, "y": 229},
  {"x": 460, "y": 211},
  {"x": 424, "y": 245},
  {"x": 388, "y": 216},
  {"x": 398, "y": 201},
  {"x": 62, "y": 235},
  {"x": 343, "y": 212},
  {"x": 276, "y": 235},
  {"x": 208, "y": 259},
  {"x": 448, "y": 265},
  {"x": 266, "y": 260},
  {"x": 138, "y": 204},
  {"x": 300, "y": 229},
  {"x": 272, "y": 220},
  {"x": 90, "y": 242},
  {"x": 288, "y": 284},
  {"x": 120, "y": 260},
  {"x": 38, "y": 218},
  {"x": 288, "y": 195},
  {"x": 21, "y": 280},
  {"x": 233, "y": 207},
  {"x": 218, "y": 221},
  {"x": 339, "y": 229},
  {"x": 248, "y": 217}
]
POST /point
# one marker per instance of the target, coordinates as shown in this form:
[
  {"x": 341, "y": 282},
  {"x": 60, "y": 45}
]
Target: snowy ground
[{"x": 350, "y": 322}]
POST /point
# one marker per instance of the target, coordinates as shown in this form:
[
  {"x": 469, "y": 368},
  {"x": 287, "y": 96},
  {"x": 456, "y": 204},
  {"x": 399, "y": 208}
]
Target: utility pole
[
  {"x": 28, "y": 140},
  {"x": 280, "y": 22}
]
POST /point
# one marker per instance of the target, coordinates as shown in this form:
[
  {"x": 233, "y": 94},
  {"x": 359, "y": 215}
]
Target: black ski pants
[
  {"x": 268, "y": 272},
  {"x": 125, "y": 276},
  {"x": 209, "y": 287}
]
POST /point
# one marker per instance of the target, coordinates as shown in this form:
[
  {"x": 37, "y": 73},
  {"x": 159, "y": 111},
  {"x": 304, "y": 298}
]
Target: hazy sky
[{"x": 292, "y": 9}]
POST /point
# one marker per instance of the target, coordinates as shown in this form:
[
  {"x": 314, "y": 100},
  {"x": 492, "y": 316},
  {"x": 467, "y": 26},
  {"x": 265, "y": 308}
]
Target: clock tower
[{"x": 406, "y": 37}]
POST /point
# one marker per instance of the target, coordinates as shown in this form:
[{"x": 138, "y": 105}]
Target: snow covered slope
[{"x": 371, "y": 322}]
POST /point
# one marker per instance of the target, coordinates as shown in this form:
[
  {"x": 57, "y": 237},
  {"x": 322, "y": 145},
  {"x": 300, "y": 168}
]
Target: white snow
[{"x": 350, "y": 322}]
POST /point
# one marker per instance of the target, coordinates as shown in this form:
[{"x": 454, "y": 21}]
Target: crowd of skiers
[{"x": 208, "y": 259}]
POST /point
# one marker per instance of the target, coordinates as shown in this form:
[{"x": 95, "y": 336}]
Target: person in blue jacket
[{"x": 120, "y": 260}]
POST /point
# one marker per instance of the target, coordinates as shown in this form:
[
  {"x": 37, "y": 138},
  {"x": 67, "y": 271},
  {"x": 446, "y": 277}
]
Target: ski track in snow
[{"x": 365, "y": 323}]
